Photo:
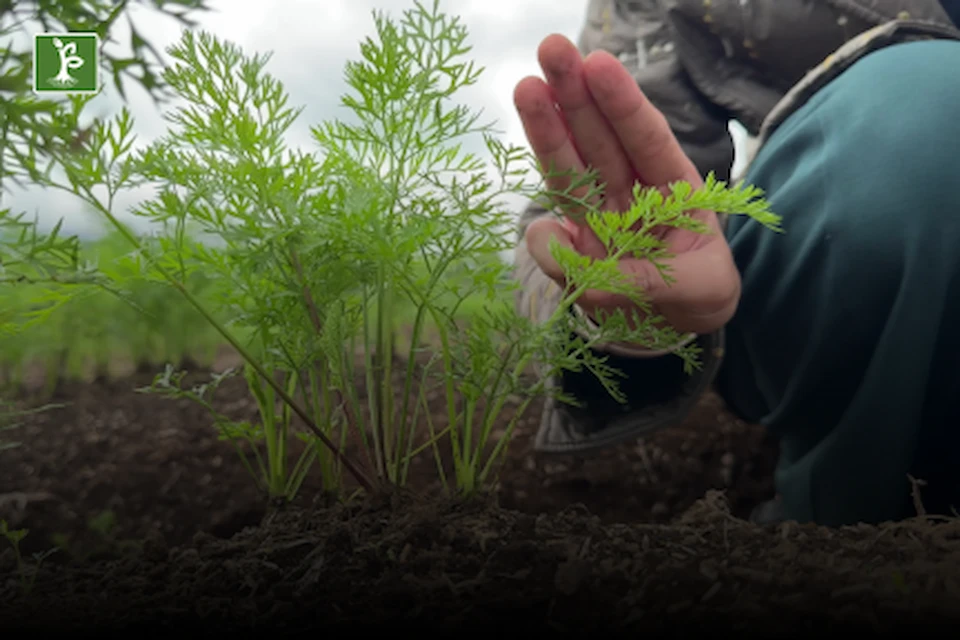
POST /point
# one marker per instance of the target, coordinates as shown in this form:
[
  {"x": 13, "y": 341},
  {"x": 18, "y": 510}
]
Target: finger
[
  {"x": 538, "y": 236},
  {"x": 650, "y": 145},
  {"x": 592, "y": 135},
  {"x": 548, "y": 136}
]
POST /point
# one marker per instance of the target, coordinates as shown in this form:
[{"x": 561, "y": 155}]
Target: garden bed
[{"x": 161, "y": 528}]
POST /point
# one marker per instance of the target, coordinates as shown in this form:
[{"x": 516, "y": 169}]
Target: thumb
[{"x": 538, "y": 236}]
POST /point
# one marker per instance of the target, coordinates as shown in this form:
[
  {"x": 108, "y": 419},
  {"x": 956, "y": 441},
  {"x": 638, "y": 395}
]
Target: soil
[{"x": 157, "y": 527}]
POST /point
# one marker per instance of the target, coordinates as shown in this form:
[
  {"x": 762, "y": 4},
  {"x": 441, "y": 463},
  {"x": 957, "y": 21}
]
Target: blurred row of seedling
[{"x": 97, "y": 333}]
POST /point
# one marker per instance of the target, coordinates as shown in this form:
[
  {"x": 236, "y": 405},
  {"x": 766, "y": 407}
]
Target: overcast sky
[{"x": 311, "y": 40}]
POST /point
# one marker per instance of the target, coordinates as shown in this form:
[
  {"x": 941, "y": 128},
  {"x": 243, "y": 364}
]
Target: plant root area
[{"x": 159, "y": 529}]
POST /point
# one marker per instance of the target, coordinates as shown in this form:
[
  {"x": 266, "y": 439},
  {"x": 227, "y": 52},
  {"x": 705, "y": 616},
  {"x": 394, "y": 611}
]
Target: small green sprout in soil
[
  {"x": 15, "y": 537},
  {"x": 311, "y": 257}
]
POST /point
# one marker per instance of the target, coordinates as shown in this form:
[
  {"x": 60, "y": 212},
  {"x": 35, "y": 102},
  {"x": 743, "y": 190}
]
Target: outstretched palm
[{"x": 591, "y": 113}]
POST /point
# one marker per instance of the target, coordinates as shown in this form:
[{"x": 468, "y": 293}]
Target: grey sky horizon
[{"x": 310, "y": 41}]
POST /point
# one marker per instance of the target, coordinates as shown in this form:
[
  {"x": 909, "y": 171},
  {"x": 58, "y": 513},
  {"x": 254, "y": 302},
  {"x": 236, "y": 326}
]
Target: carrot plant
[{"x": 402, "y": 210}]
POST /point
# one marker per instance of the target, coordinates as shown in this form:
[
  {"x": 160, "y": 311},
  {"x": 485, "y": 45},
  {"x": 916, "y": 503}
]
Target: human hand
[{"x": 591, "y": 113}]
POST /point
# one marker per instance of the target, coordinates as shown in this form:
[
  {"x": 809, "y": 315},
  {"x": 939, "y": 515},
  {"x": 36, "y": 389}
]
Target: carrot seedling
[{"x": 313, "y": 256}]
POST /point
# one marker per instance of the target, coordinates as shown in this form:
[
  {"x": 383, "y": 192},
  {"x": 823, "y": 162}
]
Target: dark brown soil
[{"x": 159, "y": 527}]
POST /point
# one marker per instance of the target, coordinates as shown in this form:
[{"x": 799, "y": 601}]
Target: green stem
[
  {"x": 499, "y": 447},
  {"x": 466, "y": 473},
  {"x": 434, "y": 440},
  {"x": 449, "y": 386},
  {"x": 407, "y": 424},
  {"x": 385, "y": 374},
  {"x": 492, "y": 410},
  {"x": 266, "y": 404},
  {"x": 372, "y": 404},
  {"x": 317, "y": 389},
  {"x": 300, "y": 471}
]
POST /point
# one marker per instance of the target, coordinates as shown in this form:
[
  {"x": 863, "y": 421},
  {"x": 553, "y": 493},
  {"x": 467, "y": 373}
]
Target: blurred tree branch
[{"x": 34, "y": 128}]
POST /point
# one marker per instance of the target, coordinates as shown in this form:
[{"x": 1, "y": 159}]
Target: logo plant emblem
[{"x": 66, "y": 62}]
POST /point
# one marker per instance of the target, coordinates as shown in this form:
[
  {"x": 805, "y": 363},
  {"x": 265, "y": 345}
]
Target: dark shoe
[
  {"x": 769, "y": 512},
  {"x": 568, "y": 431},
  {"x": 603, "y": 422}
]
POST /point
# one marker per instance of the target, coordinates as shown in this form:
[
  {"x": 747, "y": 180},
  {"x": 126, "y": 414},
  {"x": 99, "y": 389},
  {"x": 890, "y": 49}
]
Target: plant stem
[
  {"x": 408, "y": 423},
  {"x": 373, "y": 406},
  {"x": 384, "y": 370},
  {"x": 498, "y": 448}
]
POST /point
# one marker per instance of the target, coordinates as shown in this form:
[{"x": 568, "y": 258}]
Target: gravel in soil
[{"x": 159, "y": 527}]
